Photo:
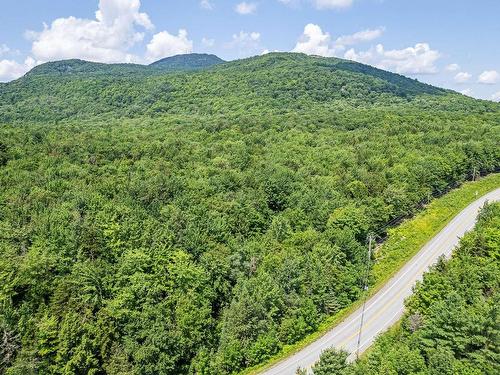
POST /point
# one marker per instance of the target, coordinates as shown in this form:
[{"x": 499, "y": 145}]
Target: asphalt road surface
[{"x": 386, "y": 307}]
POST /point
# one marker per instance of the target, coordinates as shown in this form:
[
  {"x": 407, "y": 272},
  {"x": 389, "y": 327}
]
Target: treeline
[{"x": 452, "y": 323}]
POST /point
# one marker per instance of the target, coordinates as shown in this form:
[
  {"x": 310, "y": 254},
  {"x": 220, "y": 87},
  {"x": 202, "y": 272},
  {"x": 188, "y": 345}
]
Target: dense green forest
[
  {"x": 271, "y": 85},
  {"x": 452, "y": 323},
  {"x": 86, "y": 69},
  {"x": 197, "y": 222}
]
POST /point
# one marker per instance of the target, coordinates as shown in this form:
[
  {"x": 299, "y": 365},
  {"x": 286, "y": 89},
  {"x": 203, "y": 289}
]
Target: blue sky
[{"x": 449, "y": 43}]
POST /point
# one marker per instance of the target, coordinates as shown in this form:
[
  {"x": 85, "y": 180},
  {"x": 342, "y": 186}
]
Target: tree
[{"x": 331, "y": 362}]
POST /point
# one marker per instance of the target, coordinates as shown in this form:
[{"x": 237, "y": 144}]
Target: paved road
[{"x": 386, "y": 307}]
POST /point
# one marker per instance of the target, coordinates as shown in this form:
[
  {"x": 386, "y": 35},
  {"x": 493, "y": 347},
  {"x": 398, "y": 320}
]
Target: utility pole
[
  {"x": 367, "y": 275},
  {"x": 475, "y": 174}
]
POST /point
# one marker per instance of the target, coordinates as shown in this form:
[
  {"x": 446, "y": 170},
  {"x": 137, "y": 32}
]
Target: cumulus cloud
[
  {"x": 107, "y": 38},
  {"x": 245, "y": 8},
  {"x": 420, "y": 59},
  {"x": 496, "y": 97},
  {"x": 165, "y": 44},
  {"x": 10, "y": 69},
  {"x": 360, "y": 37},
  {"x": 462, "y": 77},
  {"x": 314, "y": 41},
  {"x": 489, "y": 77},
  {"x": 118, "y": 26},
  {"x": 452, "y": 67}
]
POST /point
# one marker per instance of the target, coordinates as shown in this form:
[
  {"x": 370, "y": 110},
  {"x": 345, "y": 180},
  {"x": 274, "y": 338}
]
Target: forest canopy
[{"x": 197, "y": 222}]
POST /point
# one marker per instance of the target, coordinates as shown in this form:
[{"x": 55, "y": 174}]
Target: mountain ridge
[
  {"x": 184, "y": 62},
  {"x": 266, "y": 84}
]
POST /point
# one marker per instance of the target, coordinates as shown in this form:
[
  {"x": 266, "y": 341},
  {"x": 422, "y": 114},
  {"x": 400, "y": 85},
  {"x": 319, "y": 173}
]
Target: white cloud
[
  {"x": 452, "y": 67},
  {"x": 467, "y": 92},
  {"x": 496, "y": 97},
  {"x": 107, "y": 38},
  {"x": 419, "y": 59},
  {"x": 118, "y": 26},
  {"x": 10, "y": 69},
  {"x": 246, "y": 8},
  {"x": 489, "y": 77},
  {"x": 360, "y": 37},
  {"x": 206, "y": 4},
  {"x": 314, "y": 41},
  {"x": 246, "y": 43},
  {"x": 462, "y": 77},
  {"x": 266, "y": 51},
  {"x": 207, "y": 42},
  {"x": 165, "y": 44},
  {"x": 332, "y": 4}
]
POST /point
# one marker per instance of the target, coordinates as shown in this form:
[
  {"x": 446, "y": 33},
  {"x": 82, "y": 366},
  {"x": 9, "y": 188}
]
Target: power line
[
  {"x": 367, "y": 275},
  {"x": 377, "y": 234}
]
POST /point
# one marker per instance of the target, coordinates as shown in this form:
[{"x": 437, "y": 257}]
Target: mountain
[
  {"x": 193, "y": 61},
  {"x": 281, "y": 82},
  {"x": 78, "y": 67},
  {"x": 198, "y": 222}
]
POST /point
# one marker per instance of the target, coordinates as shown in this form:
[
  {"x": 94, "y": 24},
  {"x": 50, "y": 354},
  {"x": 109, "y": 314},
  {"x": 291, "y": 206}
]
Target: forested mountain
[
  {"x": 75, "y": 67},
  {"x": 87, "y": 69},
  {"x": 266, "y": 85},
  {"x": 197, "y": 222},
  {"x": 452, "y": 325}
]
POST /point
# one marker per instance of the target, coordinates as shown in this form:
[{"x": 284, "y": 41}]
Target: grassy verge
[{"x": 402, "y": 244}]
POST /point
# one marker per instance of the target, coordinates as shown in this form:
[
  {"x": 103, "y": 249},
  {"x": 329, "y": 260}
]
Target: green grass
[{"x": 403, "y": 242}]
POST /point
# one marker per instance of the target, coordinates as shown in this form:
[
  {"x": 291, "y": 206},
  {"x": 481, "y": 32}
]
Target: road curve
[{"x": 386, "y": 307}]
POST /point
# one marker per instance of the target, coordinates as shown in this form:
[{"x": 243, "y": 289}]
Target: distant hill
[
  {"x": 81, "y": 67},
  {"x": 192, "y": 61},
  {"x": 187, "y": 62}
]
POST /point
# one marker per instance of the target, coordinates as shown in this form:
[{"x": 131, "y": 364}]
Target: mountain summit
[{"x": 192, "y": 61}]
